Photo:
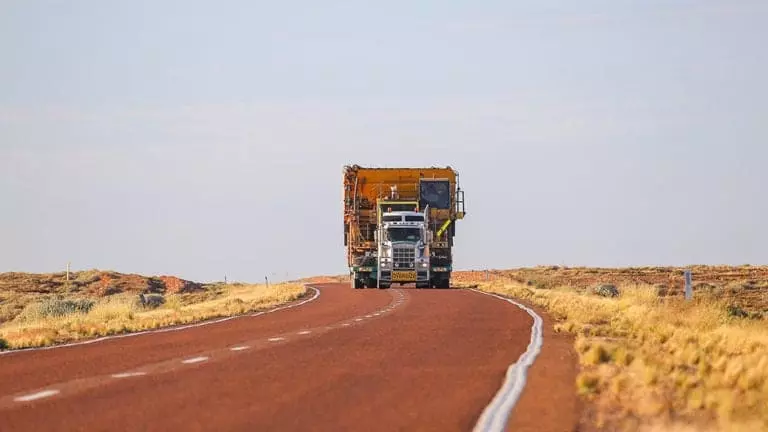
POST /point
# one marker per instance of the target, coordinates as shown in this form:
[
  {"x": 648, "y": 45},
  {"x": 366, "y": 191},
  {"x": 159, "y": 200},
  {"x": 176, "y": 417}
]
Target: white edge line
[
  {"x": 305, "y": 332},
  {"x": 128, "y": 374},
  {"x": 276, "y": 339},
  {"x": 36, "y": 396},
  {"x": 496, "y": 414},
  {"x": 165, "y": 330},
  {"x": 194, "y": 360},
  {"x": 239, "y": 348}
]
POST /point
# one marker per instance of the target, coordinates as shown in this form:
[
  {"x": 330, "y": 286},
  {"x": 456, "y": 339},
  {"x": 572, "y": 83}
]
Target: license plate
[
  {"x": 403, "y": 276},
  {"x": 440, "y": 269},
  {"x": 365, "y": 269}
]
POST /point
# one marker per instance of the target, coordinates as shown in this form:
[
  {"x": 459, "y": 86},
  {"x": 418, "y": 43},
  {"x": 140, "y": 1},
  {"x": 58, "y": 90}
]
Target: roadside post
[{"x": 688, "y": 285}]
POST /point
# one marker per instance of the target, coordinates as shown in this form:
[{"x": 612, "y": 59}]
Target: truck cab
[{"x": 403, "y": 253}]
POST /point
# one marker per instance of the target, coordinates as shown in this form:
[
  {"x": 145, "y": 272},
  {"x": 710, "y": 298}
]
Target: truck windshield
[{"x": 404, "y": 234}]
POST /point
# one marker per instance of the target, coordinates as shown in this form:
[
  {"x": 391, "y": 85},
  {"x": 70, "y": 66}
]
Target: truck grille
[{"x": 404, "y": 257}]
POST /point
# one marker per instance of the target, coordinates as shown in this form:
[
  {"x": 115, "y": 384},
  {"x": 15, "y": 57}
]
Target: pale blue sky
[{"x": 208, "y": 138}]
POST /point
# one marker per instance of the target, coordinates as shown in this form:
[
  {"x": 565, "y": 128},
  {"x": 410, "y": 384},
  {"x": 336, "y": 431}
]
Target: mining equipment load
[{"x": 399, "y": 225}]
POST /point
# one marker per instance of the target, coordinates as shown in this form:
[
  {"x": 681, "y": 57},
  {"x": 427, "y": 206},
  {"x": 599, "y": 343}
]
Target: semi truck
[{"x": 400, "y": 224}]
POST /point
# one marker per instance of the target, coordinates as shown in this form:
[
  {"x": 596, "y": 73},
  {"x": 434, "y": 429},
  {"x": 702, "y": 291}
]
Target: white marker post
[
  {"x": 688, "y": 285},
  {"x": 378, "y": 255}
]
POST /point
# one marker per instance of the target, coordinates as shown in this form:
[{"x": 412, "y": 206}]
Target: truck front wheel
[
  {"x": 355, "y": 282},
  {"x": 441, "y": 283}
]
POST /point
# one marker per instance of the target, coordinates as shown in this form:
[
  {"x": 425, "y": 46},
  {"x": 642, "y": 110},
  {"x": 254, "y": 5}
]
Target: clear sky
[{"x": 205, "y": 139}]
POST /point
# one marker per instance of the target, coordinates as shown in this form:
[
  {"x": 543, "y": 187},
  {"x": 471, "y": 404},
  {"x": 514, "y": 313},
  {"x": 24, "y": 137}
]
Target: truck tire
[
  {"x": 355, "y": 282},
  {"x": 384, "y": 285},
  {"x": 441, "y": 283},
  {"x": 422, "y": 285}
]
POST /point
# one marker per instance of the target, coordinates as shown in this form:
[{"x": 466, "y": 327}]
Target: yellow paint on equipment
[
  {"x": 375, "y": 183},
  {"x": 403, "y": 276},
  {"x": 443, "y": 228},
  {"x": 368, "y": 192}
]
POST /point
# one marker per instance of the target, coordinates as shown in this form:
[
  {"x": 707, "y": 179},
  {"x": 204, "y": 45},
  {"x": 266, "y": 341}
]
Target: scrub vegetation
[
  {"x": 649, "y": 359},
  {"x": 42, "y": 310}
]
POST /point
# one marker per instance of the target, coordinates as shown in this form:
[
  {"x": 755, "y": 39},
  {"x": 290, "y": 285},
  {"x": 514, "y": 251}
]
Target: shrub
[
  {"x": 606, "y": 290},
  {"x": 737, "y": 312},
  {"x": 587, "y": 383},
  {"x": 595, "y": 355},
  {"x": 538, "y": 284},
  {"x": 56, "y": 308},
  {"x": 3, "y": 344},
  {"x": 66, "y": 307},
  {"x": 151, "y": 301}
]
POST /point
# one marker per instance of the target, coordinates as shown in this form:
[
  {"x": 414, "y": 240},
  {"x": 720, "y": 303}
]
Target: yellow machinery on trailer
[{"x": 399, "y": 225}]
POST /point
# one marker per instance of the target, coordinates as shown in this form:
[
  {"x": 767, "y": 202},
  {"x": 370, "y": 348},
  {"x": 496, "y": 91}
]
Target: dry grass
[
  {"x": 652, "y": 363},
  {"x": 67, "y": 318},
  {"x": 744, "y": 286}
]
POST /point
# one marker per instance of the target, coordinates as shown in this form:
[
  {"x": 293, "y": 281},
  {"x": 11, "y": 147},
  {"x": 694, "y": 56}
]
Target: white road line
[
  {"x": 276, "y": 339},
  {"x": 346, "y": 324},
  {"x": 496, "y": 414},
  {"x": 165, "y": 330},
  {"x": 305, "y": 332},
  {"x": 239, "y": 348},
  {"x": 359, "y": 319},
  {"x": 369, "y": 316},
  {"x": 195, "y": 360},
  {"x": 128, "y": 374},
  {"x": 36, "y": 396}
]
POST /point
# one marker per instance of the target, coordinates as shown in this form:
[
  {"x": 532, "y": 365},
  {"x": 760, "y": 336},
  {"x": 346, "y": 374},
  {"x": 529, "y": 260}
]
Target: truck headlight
[{"x": 423, "y": 265}]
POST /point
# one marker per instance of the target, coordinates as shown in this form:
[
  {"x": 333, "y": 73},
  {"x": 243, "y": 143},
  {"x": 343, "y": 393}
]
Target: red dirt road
[{"x": 349, "y": 360}]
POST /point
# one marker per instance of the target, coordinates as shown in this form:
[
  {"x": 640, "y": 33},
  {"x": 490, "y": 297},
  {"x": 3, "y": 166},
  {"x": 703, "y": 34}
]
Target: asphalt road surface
[{"x": 342, "y": 359}]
